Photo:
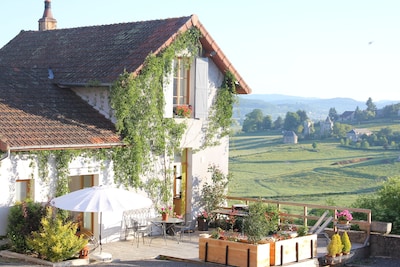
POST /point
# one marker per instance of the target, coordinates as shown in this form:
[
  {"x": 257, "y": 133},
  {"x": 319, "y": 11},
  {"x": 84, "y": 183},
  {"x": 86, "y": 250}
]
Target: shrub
[
  {"x": 335, "y": 246},
  {"x": 260, "y": 221},
  {"x": 346, "y": 243},
  {"x": 23, "y": 218},
  {"x": 56, "y": 241}
]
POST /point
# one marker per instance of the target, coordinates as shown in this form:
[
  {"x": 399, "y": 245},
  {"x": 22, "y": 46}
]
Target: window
[
  {"x": 187, "y": 86},
  {"x": 23, "y": 190},
  {"x": 181, "y": 82}
]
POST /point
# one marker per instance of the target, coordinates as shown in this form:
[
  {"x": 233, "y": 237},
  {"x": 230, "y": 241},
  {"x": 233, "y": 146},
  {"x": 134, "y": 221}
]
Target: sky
[{"x": 309, "y": 48}]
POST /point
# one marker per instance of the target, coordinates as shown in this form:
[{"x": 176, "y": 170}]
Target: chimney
[{"x": 47, "y": 22}]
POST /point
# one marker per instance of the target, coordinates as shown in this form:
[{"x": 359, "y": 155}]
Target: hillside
[{"x": 317, "y": 108}]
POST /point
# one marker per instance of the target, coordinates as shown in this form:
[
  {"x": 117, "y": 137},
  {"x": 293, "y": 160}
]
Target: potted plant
[
  {"x": 335, "y": 246},
  {"x": 165, "y": 212},
  {"x": 344, "y": 217},
  {"x": 202, "y": 221},
  {"x": 254, "y": 245},
  {"x": 346, "y": 243}
]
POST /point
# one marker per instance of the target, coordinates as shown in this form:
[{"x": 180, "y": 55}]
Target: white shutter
[
  {"x": 168, "y": 88},
  {"x": 201, "y": 88}
]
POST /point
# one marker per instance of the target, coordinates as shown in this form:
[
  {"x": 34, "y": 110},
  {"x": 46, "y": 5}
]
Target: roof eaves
[
  {"x": 64, "y": 147},
  {"x": 210, "y": 45}
]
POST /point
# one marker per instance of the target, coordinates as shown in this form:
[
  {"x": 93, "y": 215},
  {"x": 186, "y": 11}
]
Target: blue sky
[{"x": 310, "y": 48}]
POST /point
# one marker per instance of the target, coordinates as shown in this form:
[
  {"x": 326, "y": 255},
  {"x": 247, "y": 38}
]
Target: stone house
[
  {"x": 356, "y": 134},
  {"x": 289, "y": 137},
  {"x": 55, "y": 96}
]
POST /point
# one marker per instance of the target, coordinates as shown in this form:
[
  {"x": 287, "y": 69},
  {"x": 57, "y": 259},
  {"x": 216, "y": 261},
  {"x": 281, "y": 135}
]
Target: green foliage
[
  {"x": 213, "y": 194},
  {"x": 346, "y": 242},
  {"x": 384, "y": 205},
  {"x": 56, "y": 241},
  {"x": 253, "y": 121},
  {"x": 302, "y": 230},
  {"x": 335, "y": 245},
  {"x": 138, "y": 102},
  {"x": 220, "y": 114},
  {"x": 23, "y": 218},
  {"x": 260, "y": 221}
]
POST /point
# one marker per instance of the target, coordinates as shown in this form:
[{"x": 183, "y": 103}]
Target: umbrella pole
[{"x": 101, "y": 220}]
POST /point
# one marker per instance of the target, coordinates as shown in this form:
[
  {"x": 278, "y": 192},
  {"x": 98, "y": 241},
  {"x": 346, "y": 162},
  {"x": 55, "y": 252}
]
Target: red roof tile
[{"x": 37, "y": 114}]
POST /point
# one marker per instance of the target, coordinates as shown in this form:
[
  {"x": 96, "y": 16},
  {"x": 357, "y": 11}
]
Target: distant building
[
  {"x": 289, "y": 137},
  {"x": 326, "y": 127},
  {"x": 347, "y": 116},
  {"x": 356, "y": 134}
]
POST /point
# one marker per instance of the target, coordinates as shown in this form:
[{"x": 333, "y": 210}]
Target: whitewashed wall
[{"x": 18, "y": 167}]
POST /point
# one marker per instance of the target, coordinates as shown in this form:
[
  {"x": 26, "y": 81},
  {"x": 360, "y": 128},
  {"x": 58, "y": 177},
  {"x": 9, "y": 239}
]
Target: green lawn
[{"x": 262, "y": 166}]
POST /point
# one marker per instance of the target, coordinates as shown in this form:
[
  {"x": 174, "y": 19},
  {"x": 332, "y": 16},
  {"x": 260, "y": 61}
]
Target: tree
[
  {"x": 384, "y": 204},
  {"x": 302, "y": 115},
  {"x": 370, "y": 105},
  {"x": 278, "y": 123},
  {"x": 292, "y": 121},
  {"x": 333, "y": 114},
  {"x": 253, "y": 121},
  {"x": 267, "y": 123}
]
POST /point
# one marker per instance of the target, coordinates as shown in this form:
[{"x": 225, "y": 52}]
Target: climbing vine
[
  {"x": 138, "y": 102},
  {"x": 220, "y": 117}
]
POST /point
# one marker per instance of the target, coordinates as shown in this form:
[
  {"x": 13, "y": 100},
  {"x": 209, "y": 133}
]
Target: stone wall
[{"x": 384, "y": 245}]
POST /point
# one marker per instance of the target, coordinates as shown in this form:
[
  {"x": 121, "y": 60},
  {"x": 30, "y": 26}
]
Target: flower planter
[
  {"x": 293, "y": 250},
  {"x": 202, "y": 224},
  {"x": 233, "y": 253}
]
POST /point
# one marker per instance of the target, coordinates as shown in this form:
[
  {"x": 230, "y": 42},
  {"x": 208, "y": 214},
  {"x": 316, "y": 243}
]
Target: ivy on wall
[{"x": 138, "y": 104}]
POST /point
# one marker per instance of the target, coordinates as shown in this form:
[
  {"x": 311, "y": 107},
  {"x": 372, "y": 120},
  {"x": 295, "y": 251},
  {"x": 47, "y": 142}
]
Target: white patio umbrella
[{"x": 101, "y": 199}]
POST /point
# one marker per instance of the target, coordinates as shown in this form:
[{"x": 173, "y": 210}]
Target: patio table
[{"x": 166, "y": 225}]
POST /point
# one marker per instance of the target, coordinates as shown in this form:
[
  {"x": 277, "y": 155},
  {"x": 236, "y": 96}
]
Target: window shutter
[
  {"x": 168, "y": 88},
  {"x": 201, "y": 93}
]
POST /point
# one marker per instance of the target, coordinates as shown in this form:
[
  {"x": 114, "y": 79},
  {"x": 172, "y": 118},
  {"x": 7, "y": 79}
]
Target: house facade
[
  {"x": 356, "y": 134},
  {"x": 55, "y": 89}
]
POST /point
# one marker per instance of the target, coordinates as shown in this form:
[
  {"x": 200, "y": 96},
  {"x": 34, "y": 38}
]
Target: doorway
[{"x": 85, "y": 219}]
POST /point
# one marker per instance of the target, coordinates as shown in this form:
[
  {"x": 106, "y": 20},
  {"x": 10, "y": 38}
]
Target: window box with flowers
[
  {"x": 202, "y": 221},
  {"x": 183, "y": 111}
]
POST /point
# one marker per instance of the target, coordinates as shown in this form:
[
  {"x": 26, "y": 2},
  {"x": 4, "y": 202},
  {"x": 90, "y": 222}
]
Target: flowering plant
[
  {"x": 344, "y": 215},
  {"x": 165, "y": 210},
  {"x": 184, "y": 110},
  {"x": 203, "y": 215}
]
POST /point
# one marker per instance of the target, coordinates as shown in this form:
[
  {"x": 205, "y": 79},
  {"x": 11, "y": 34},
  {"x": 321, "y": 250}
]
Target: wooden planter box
[
  {"x": 293, "y": 250},
  {"x": 233, "y": 253},
  {"x": 244, "y": 254}
]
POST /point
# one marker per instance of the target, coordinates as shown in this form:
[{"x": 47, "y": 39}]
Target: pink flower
[{"x": 344, "y": 215}]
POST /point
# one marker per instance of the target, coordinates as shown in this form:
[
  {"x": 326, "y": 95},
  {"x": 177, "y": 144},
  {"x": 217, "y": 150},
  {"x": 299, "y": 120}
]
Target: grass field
[{"x": 262, "y": 166}]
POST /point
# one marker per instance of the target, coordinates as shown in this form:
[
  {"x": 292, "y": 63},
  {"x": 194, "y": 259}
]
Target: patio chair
[
  {"x": 140, "y": 228},
  {"x": 187, "y": 227}
]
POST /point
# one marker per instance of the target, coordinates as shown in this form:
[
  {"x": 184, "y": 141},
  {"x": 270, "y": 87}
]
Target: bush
[
  {"x": 335, "y": 247},
  {"x": 23, "y": 218},
  {"x": 260, "y": 221},
  {"x": 346, "y": 243},
  {"x": 56, "y": 241}
]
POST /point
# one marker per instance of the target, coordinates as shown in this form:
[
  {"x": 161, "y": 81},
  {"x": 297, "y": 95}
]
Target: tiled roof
[
  {"x": 35, "y": 113},
  {"x": 44, "y": 116},
  {"x": 87, "y": 54}
]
